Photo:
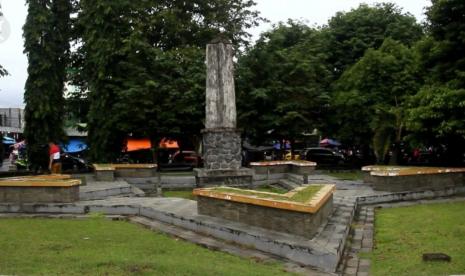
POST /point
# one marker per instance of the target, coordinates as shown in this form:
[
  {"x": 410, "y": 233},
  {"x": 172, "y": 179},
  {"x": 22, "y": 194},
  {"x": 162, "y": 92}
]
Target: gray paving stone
[
  {"x": 365, "y": 263},
  {"x": 356, "y": 244},
  {"x": 352, "y": 262},
  {"x": 350, "y": 271},
  {"x": 368, "y": 243}
]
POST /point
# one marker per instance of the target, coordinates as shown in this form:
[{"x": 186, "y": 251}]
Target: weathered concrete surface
[
  {"x": 220, "y": 106},
  {"x": 39, "y": 194},
  {"x": 135, "y": 172},
  {"x": 102, "y": 190},
  {"x": 236, "y": 177},
  {"x": 418, "y": 182},
  {"x": 106, "y": 175},
  {"x": 278, "y": 167},
  {"x": 222, "y": 149},
  {"x": 221, "y": 140},
  {"x": 280, "y": 220}
]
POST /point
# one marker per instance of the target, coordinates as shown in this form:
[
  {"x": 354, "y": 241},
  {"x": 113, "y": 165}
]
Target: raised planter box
[
  {"x": 278, "y": 212},
  {"x": 108, "y": 172},
  {"x": 39, "y": 189},
  {"x": 399, "y": 178},
  {"x": 274, "y": 167}
]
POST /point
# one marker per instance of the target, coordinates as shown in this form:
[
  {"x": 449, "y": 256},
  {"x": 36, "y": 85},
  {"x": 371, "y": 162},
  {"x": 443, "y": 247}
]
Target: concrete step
[
  {"x": 296, "y": 178},
  {"x": 287, "y": 184},
  {"x": 103, "y": 190}
]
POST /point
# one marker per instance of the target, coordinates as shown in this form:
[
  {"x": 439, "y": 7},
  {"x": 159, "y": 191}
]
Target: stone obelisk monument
[{"x": 221, "y": 139}]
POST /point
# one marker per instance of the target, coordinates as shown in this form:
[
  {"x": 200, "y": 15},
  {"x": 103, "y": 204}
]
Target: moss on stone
[{"x": 301, "y": 196}]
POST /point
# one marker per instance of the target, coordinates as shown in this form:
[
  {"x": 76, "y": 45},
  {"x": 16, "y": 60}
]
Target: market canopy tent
[
  {"x": 8, "y": 141},
  {"x": 74, "y": 145},
  {"x": 329, "y": 142},
  {"x": 134, "y": 144}
]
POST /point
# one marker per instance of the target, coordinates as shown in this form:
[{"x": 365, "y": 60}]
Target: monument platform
[
  {"x": 40, "y": 188},
  {"x": 241, "y": 177},
  {"x": 404, "y": 178}
]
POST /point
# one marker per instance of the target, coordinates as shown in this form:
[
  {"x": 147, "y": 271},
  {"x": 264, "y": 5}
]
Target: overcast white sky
[{"x": 310, "y": 11}]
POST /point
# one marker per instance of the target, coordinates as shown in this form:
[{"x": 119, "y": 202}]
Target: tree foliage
[
  {"x": 374, "y": 92},
  {"x": 143, "y": 62},
  {"x": 283, "y": 83},
  {"x": 351, "y": 33},
  {"x": 46, "y": 44},
  {"x": 437, "y": 112}
]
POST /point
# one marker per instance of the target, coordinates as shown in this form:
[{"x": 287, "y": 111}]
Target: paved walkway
[{"x": 5, "y": 166}]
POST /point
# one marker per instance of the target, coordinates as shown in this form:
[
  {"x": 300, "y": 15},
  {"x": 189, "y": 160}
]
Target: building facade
[{"x": 12, "y": 121}]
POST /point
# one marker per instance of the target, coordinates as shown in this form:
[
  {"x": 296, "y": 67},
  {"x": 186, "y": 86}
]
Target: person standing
[{"x": 55, "y": 162}]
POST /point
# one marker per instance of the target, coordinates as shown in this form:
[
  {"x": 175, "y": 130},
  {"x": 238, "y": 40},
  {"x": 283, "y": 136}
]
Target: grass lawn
[
  {"x": 97, "y": 246},
  {"x": 402, "y": 235},
  {"x": 301, "y": 196},
  {"x": 187, "y": 194},
  {"x": 352, "y": 175}
]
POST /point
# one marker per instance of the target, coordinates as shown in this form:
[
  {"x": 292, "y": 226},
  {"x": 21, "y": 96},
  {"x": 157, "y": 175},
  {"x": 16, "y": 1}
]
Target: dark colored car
[
  {"x": 70, "y": 163},
  {"x": 324, "y": 156},
  {"x": 187, "y": 157}
]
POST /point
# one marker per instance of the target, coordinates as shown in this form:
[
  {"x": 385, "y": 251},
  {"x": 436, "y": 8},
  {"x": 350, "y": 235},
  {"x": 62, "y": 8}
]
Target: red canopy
[{"x": 134, "y": 144}]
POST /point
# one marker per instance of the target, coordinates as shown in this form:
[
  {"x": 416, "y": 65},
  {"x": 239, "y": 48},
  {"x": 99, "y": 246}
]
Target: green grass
[
  {"x": 355, "y": 175},
  {"x": 301, "y": 196},
  {"x": 187, "y": 194},
  {"x": 102, "y": 247},
  {"x": 402, "y": 235}
]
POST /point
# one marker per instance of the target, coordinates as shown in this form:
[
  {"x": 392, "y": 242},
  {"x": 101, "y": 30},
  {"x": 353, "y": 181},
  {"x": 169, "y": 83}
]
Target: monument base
[{"x": 241, "y": 177}]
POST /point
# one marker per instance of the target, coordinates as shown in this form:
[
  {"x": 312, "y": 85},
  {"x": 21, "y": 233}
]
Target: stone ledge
[
  {"x": 107, "y": 172},
  {"x": 406, "y": 170},
  {"x": 112, "y": 167},
  {"x": 41, "y": 177},
  {"x": 231, "y": 177},
  {"x": 300, "y": 167},
  {"x": 299, "y": 163},
  {"x": 311, "y": 206},
  {"x": 40, "y": 183}
]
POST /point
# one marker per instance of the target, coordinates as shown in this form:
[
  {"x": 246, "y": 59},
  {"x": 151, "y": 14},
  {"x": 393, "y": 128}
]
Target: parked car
[
  {"x": 324, "y": 156},
  {"x": 187, "y": 157},
  {"x": 70, "y": 163}
]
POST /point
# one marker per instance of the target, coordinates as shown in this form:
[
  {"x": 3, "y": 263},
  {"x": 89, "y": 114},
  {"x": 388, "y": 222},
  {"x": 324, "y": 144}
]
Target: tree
[
  {"x": 351, "y": 33},
  {"x": 143, "y": 62},
  {"x": 46, "y": 43},
  {"x": 436, "y": 113},
  {"x": 283, "y": 83},
  {"x": 370, "y": 97}
]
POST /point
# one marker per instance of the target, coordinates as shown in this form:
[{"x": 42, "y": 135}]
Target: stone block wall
[
  {"x": 275, "y": 167},
  {"x": 242, "y": 177},
  {"x": 222, "y": 149},
  {"x": 39, "y": 194},
  {"x": 420, "y": 182},
  {"x": 281, "y": 220},
  {"x": 135, "y": 172}
]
